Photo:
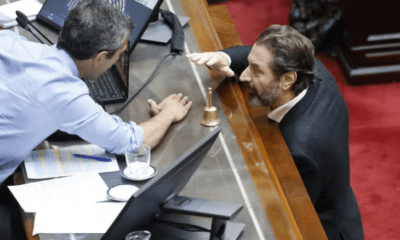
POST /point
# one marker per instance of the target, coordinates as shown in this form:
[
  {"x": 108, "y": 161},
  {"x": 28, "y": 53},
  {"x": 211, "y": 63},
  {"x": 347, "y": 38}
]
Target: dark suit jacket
[{"x": 316, "y": 131}]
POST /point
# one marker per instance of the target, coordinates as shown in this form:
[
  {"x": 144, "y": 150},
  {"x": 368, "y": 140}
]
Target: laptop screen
[
  {"x": 54, "y": 13},
  {"x": 122, "y": 65}
]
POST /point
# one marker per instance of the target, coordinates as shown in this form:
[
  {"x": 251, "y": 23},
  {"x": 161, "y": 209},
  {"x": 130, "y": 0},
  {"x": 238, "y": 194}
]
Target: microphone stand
[
  {"x": 24, "y": 25},
  {"x": 22, "y": 16}
]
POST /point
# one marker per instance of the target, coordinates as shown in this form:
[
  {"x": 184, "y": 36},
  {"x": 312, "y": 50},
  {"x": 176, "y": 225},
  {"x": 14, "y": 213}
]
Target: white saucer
[
  {"x": 126, "y": 174},
  {"x": 121, "y": 192}
]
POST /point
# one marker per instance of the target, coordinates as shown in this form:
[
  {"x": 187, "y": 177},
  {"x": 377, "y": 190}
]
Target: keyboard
[{"x": 104, "y": 89}]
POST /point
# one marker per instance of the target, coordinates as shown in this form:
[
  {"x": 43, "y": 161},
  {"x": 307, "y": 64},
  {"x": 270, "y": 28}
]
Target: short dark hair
[
  {"x": 291, "y": 51},
  {"x": 94, "y": 26}
]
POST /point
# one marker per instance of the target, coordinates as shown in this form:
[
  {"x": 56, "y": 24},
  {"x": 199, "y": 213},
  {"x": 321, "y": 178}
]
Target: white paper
[
  {"x": 7, "y": 12},
  {"x": 50, "y": 163},
  {"x": 83, "y": 188},
  {"x": 85, "y": 218}
]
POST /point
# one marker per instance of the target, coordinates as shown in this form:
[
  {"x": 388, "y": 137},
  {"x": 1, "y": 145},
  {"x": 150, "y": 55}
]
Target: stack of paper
[
  {"x": 7, "y": 12},
  {"x": 83, "y": 188},
  {"x": 78, "y": 219},
  {"x": 68, "y": 205}
]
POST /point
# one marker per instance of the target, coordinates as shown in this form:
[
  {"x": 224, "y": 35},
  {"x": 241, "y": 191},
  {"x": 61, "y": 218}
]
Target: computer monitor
[
  {"x": 54, "y": 13},
  {"x": 146, "y": 203}
]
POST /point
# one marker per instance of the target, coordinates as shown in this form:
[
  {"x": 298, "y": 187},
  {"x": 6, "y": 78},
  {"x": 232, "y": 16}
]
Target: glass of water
[
  {"x": 138, "y": 162},
  {"x": 138, "y": 235}
]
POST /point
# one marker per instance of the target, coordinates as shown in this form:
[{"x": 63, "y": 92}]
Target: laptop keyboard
[{"x": 104, "y": 88}]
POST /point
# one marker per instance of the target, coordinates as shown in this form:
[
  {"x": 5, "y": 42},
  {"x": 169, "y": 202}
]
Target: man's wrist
[{"x": 166, "y": 116}]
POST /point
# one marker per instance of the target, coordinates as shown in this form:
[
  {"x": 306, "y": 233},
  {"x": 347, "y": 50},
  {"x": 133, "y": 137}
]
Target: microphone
[
  {"x": 24, "y": 17},
  {"x": 24, "y": 25}
]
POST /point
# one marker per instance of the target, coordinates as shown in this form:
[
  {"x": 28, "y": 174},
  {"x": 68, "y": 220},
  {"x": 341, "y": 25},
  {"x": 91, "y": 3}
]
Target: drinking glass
[{"x": 138, "y": 162}]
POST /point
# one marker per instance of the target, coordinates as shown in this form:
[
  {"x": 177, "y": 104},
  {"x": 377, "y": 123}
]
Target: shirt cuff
[
  {"x": 227, "y": 56},
  {"x": 135, "y": 140}
]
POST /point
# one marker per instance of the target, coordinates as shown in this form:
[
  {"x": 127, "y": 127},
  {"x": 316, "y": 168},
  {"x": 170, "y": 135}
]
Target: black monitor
[
  {"x": 146, "y": 203},
  {"x": 54, "y": 13}
]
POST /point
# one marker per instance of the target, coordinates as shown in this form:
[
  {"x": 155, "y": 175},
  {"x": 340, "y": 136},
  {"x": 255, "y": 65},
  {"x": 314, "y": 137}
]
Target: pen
[{"x": 92, "y": 157}]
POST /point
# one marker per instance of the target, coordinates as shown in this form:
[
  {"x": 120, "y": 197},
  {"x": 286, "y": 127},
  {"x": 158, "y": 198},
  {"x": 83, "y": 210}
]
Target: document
[
  {"x": 78, "y": 189},
  {"x": 60, "y": 162},
  {"x": 84, "y": 218},
  {"x": 7, "y": 12}
]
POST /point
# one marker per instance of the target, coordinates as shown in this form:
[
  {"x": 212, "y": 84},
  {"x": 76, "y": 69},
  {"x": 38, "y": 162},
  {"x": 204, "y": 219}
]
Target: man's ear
[
  {"x": 99, "y": 57},
  {"x": 288, "y": 79}
]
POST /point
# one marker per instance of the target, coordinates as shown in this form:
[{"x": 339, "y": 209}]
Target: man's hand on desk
[
  {"x": 176, "y": 105},
  {"x": 172, "y": 109},
  {"x": 216, "y": 61}
]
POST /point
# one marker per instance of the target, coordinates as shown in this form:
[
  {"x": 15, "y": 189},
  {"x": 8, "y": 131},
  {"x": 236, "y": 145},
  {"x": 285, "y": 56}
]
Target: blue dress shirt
[{"x": 41, "y": 92}]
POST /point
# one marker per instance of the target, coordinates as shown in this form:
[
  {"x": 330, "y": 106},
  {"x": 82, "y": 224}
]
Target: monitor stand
[
  {"x": 159, "y": 31},
  {"x": 197, "y": 208}
]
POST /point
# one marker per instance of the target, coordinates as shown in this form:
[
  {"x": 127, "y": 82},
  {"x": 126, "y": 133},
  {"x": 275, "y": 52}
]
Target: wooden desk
[{"x": 278, "y": 185}]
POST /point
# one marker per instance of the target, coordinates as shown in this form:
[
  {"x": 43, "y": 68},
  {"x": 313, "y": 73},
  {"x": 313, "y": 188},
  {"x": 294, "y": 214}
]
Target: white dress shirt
[{"x": 278, "y": 113}]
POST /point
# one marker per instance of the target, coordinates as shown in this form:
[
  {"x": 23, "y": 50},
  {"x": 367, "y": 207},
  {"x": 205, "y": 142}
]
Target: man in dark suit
[{"x": 283, "y": 74}]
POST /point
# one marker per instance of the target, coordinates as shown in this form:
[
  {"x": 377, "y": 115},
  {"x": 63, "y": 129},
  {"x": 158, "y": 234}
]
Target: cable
[{"x": 149, "y": 79}]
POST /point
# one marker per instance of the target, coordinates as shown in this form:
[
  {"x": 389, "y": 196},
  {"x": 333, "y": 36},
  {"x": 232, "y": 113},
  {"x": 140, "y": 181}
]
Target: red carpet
[{"x": 374, "y": 125}]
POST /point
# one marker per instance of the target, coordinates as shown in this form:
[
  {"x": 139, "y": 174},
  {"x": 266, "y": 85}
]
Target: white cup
[
  {"x": 138, "y": 235},
  {"x": 138, "y": 162}
]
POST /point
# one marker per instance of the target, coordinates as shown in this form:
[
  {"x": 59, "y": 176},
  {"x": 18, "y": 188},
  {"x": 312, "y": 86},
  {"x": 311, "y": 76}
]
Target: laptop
[{"x": 111, "y": 87}]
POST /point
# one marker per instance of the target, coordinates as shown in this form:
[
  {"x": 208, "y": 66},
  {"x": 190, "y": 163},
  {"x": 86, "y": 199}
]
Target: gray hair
[
  {"x": 94, "y": 26},
  {"x": 291, "y": 52}
]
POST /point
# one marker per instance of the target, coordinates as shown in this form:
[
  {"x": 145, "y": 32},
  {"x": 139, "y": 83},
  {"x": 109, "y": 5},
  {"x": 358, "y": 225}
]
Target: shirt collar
[
  {"x": 278, "y": 113},
  {"x": 68, "y": 60}
]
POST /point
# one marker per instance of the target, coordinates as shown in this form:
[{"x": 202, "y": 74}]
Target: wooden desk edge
[{"x": 297, "y": 218}]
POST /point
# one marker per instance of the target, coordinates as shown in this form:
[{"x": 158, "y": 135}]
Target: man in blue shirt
[{"x": 41, "y": 90}]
